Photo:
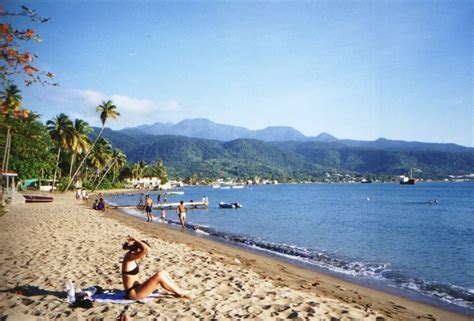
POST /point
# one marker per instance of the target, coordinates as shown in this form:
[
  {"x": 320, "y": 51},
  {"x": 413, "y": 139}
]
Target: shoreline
[
  {"x": 45, "y": 244},
  {"x": 297, "y": 276}
]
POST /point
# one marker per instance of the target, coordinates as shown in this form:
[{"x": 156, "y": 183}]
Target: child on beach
[
  {"x": 136, "y": 290},
  {"x": 163, "y": 215}
]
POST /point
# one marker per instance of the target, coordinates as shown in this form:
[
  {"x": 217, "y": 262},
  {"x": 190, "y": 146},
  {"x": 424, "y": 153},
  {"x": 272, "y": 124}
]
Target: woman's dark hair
[
  {"x": 134, "y": 246},
  {"x": 130, "y": 247}
]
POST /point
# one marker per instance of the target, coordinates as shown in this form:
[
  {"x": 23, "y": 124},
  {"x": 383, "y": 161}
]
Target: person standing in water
[
  {"x": 182, "y": 210},
  {"x": 148, "y": 209},
  {"x": 140, "y": 202},
  {"x": 163, "y": 215}
]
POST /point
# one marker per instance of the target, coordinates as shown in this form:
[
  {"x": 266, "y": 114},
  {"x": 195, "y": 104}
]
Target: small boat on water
[
  {"x": 230, "y": 205},
  {"x": 175, "y": 193},
  {"x": 38, "y": 199},
  {"x": 407, "y": 180}
]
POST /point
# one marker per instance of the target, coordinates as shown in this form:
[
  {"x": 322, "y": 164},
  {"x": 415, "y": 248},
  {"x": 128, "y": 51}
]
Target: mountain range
[
  {"x": 206, "y": 129},
  {"x": 281, "y": 153}
]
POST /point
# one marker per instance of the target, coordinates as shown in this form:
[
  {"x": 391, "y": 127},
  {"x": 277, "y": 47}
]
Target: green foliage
[
  {"x": 157, "y": 170},
  {"x": 30, "y": 154},
  {"x": 246, "y": 158}
]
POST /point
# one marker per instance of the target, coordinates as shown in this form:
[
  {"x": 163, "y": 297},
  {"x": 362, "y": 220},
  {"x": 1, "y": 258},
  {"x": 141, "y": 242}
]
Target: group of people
[
  {"x": 99, "y": 204},
  {"x": 147, "y": 205},
  {"x": 81, "y": 194}
]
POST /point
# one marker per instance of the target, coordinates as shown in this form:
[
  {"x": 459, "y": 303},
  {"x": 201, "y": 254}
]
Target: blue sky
[{"x": 354, "y": 69}]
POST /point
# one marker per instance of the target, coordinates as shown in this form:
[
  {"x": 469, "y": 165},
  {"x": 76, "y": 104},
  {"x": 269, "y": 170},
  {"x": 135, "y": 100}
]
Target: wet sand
[{"x": 45, "y": 244}]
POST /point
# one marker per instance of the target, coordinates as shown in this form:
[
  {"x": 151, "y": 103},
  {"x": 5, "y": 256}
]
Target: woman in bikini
[{"x": 136, "y": 290}]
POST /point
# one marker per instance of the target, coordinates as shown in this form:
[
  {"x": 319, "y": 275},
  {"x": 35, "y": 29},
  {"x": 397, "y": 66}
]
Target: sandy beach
[{"x": 43, "y": 245}]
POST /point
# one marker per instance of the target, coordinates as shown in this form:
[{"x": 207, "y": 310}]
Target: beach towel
[{"x": 120, "y": 297}]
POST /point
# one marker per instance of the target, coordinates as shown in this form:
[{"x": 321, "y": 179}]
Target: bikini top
[{"x": 134, "y": 271}]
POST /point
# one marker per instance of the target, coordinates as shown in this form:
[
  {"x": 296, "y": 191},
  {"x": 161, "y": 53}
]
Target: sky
[{"x": 354, "y": 69}]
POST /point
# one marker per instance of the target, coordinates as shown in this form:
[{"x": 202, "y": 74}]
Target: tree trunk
[
  {"x": 8, "y": 149},
  {"x": 56, "y": 169},
  {"x": 73, "y": 158},
  {"x": 84, "y": 159},
  {"x": 103, "y": 176},
  {"x": 5, "y": 152}
]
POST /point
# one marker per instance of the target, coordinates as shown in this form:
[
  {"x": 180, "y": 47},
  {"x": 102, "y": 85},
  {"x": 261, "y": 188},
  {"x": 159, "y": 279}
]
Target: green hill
[{"x": 185, "y": 156}]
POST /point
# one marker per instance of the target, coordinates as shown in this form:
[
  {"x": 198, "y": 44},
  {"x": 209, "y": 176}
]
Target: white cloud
[{"x": 79, "y": 103}]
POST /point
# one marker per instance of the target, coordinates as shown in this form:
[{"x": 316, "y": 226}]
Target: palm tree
[
  {"x": 120, "y": 163},
  {"x": 116, "y": 155},
  {"x": 107, "y": 110},
  {"x": 138, "y": 169},
  {"x": 80, "y": 140},
  {"x": 160, "y": 171},
  {"x": 100, "y": 156},
  {"x": 60, "y": 129},
  {"x": 10, "y": 99}
]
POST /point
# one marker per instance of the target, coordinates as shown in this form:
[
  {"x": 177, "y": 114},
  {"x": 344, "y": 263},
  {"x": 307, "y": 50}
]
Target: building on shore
[{"x": 147, "y": 183}]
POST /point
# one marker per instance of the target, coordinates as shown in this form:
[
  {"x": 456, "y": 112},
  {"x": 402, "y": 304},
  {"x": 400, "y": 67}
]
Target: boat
[
  {"x": 230, "y": 205},
  {"x": 407, "y": 180},
  {"x": 38, "y": 199},
  {"x": 175, "y": 193},
  {"x": 237, "y": 186}
]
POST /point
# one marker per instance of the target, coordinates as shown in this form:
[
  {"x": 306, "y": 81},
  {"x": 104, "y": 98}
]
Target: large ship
[{"x": 404, "y": 180}]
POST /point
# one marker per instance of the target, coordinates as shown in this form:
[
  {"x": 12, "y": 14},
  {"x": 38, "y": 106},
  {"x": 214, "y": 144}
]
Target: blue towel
[{"x": 121, "y": 297}]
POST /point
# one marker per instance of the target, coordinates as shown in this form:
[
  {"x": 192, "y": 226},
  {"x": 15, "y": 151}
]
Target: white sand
[{"x": 45, "y": 244}]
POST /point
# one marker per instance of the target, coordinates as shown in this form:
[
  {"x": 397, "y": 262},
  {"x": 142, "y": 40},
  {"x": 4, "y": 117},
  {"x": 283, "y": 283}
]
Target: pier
[{"x": 166, "y": 206}]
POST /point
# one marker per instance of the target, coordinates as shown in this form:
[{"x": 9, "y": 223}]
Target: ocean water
[{"x": 418, "y": 240}]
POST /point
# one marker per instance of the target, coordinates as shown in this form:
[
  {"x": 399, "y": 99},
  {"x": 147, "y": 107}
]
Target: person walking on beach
[
  {"x": 148, "y": 208},
  {"x": 85, "y": 196},
  {"x": 182, "y": 210},
  {"x": 134, "y": 289}
]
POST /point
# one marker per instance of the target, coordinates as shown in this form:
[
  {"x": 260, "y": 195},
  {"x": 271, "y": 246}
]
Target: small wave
[
  {"x": 201, "y": 232},
  {"x": 446, "y": 292}
]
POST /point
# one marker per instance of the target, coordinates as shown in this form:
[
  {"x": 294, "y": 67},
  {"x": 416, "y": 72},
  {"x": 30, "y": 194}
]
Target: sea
[{"x": 411, "y": 240}]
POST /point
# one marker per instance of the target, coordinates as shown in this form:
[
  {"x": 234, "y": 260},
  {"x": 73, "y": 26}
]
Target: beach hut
[{"x": 43, "y": 185}]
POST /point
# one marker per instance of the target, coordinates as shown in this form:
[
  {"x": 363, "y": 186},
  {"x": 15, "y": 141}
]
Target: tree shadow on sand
[{"x": 30, "y": 290}]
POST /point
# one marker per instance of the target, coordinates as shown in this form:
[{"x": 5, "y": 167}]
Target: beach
[{"x": 44, "y": 245}]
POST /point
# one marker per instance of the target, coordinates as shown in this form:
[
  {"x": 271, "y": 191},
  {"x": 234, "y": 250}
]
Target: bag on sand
[
  {"x": 84, "y": 297},
  {"x": 83, "y": 301}
]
